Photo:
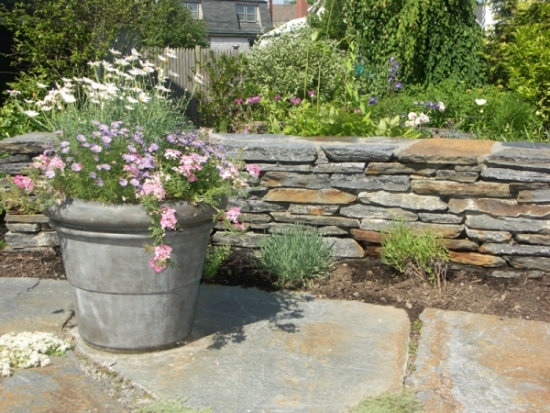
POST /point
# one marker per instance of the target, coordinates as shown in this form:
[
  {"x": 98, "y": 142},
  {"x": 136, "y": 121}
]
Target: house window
[
  {"x": 246, "y": 13},
  {"x": 193, "y": 9}
]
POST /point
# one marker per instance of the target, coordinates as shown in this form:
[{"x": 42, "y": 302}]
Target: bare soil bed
[{"x": 366, "y": 280}]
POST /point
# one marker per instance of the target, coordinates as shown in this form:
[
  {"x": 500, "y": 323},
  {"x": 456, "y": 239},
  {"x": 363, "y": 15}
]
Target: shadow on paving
[{"x": 223, "y": 314}]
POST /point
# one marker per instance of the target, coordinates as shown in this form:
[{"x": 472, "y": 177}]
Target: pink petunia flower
[
  {"x": 23, "y": 182},
  {"x": 253, "y": 170},
  {"x": 168, "y": 218},
  {"x": 233, "y": 214},
  {"x": 160, "y": 261}
]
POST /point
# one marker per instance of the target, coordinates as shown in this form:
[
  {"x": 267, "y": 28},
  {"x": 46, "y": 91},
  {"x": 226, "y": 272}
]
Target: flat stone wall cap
[
  {"x": 526, "y": 145},
  {"x": 532, "y": 158},
  {"x": 271, "y": 150},
  {"x": 437, "y": 150},
  {"x": 358, "y": 153},
  {"x": 33, "y": 142}
]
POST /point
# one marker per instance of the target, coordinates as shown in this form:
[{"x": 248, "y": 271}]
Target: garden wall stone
[{"x": 489, "y": 201}]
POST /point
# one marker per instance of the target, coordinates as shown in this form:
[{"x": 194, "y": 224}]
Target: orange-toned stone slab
[
  {"x": 473, "y": 258},
  {"x": 310, "y": 196},
  {"x": 482, "y": 363},
  {"x": 441, "y": 151}
]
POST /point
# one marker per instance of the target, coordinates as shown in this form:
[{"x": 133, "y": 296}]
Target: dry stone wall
[{"x": 490, "y": 201}]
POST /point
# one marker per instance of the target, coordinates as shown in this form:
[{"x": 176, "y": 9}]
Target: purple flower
[
  {"x": 93, "y": 175},
  {"x": 253, "y": 99},
  {"x": 238, "y": 100},
  {"x": 311, "y": 93},
  {"x": 277, "y": 97},
  {"x": 106, "y": 140},
  {"x": 134, "y": 182},
  {"x": 77, "y": 167},
  {"x": 398, "y": 86},
  {"x": 81, "y": 138},
  {"x": 372, "y": 101},
  {"x": 99, "y": 182},
  {"x": 96, "y": 148},
  {"x": 295, "y": 101},
  {"x": 123, "y": 182},
  {"x": 64, "y": 144},
  {"x": 103, "y": 166},
  {"x": 153, "y": 148}
]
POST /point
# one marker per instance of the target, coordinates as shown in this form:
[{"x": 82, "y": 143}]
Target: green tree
[
  {"x": 433, "y": 39},
  {"x": 58, "y": 37},
  {"x": 331, "y": 24}
]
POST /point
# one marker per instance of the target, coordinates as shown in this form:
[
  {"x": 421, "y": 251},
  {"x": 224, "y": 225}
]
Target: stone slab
[
  {"x": 446, "y": 151},
  {"x": 358, "y": 152},
  {"x": 59, "y": 388},
  {"x": 253, "y": 351},
  {"x": 33, "y": 143},
  {"x": 532, "y": 158},
  {"x": 31, "y": 304},
  {"x": 482, "y": 363}
]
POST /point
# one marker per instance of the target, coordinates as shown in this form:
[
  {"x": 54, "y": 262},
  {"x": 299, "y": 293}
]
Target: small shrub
[
  {"x": 404, "y": 401},
  {"x": 422, "y": 255},
  {"x": 215, "y": 256},
  {"x": 296, "y": 255}
]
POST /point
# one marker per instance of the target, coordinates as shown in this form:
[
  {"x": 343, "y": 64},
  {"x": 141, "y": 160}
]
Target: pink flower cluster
[
  {"x": 168, "y": 218},
  {"x": 160, "y": 261},
  {"x": 23, "y": 182}
]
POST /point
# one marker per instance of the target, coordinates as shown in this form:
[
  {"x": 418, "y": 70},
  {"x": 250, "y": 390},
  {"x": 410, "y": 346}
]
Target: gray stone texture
[
  {"x": 533, "y": 239},
  {"x": 300, "y": 209},
  {"x": 458, "y": 189},
  {"x": 31, "y": 304},
  {"x": 344, "y": 247},
  {"x": 28, "y": 219},
  {"x": 278, "y": 352},
  {"x": 340, "y": 167},
  {"x": 358, "y": 152},
  {"x": 278, "y": 167},
  {"x": 535, "y": 196},
  {"x": 271, "y": 151},
  {"x": 507, "y": 224},
  {"x": 488, "y": 236},
  {"x": 396, "y": 168},
  {"x": 295, "y": 180},
  {"x": 19, "y": 240},
  {"x": 515, "y": 249},
  {"x": 498, "y": 207},
  {"x": 29, "y": 143},
  {"x": 479, "y": 363},
  {"x": 503, "y": 174},
  {"x": 315, "y": 219},
  {"x": 381, "y": 225},
  {"x": 457, "y": 176},
  {"x": 372, "y": 183},
  {"x": 536, "y": 263},
  {"x": 440, "y": 218},
  {"x": 23, "y": 227},
  {"x": 407, "y": 201},
  {"x": 376, "y": 212},
  {"x": 535, "y": 158}
]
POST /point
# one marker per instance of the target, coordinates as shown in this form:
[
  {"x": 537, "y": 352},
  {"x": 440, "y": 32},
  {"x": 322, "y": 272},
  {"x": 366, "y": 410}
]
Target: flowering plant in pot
[{"x": 125, "y": 172}]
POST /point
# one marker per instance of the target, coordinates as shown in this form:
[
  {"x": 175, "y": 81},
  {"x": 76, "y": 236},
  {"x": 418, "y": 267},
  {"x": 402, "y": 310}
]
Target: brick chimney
[{"x": 301, "y": 8}]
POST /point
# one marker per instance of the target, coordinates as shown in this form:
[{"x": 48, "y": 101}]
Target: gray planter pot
[{"x": 121, "y": 304}]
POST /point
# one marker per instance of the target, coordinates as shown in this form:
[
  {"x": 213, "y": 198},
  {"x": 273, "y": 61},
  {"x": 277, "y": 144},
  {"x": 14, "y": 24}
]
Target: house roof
[{"x": 221, "y": 16}]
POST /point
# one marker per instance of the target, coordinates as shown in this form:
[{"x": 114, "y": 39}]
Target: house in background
[{"x": 232, "y": 23}]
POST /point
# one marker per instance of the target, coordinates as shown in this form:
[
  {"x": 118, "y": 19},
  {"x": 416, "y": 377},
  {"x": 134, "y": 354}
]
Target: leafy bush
[
  {"x": 422, "y": 255},
  {"x": 296, "y": 63},
  {"x": 295, "y": 255},
  {"x": 226, "y": 79},
  {"x": 215, "y": 256}
]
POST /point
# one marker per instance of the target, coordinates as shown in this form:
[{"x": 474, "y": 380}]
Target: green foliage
[
  {"x": 421, "y": 254},
  {"x": 215, "y": 256},
  {"x": 170, "y": 406},
  {"x": 58, "y": 37},
  {"x": 506, "y": 116},
  {"x": 404, "y": 401},
  {"x": 330, "y": 24},
  {"x": 434, "y": 39},
  {"x": 295, "y": 255},
  {"x": 168, "y": 23},
  {"x": 523, "y": 54},
  {"x": 296, "y": 63},
  {"x": 226, "y": 76}
]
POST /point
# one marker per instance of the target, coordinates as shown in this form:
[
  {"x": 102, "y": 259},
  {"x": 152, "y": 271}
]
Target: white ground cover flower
[{"x": 26, "y": 350}]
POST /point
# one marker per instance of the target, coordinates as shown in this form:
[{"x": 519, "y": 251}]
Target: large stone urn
[{"x": 121, "y": 304}]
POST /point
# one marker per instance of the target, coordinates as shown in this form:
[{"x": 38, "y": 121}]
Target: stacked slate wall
[{"x": 489, "y": 200}]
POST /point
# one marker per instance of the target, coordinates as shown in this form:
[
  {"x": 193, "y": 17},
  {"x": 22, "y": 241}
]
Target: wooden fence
[{"x": 187, "y": 64}]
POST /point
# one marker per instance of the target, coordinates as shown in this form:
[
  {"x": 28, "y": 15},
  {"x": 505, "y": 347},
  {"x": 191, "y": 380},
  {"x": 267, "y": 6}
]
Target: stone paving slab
[
  {"x": 31, "y": 304},
  {"x": 58, "y": 388},
  {"x": 481, "y": 363},
  {"x": 252, "y": 351}
]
